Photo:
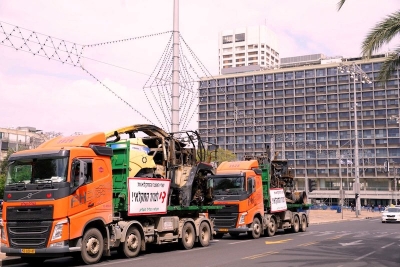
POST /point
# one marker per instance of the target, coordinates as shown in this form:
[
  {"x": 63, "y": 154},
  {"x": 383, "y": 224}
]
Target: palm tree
[{"x": 383, "y": 32}]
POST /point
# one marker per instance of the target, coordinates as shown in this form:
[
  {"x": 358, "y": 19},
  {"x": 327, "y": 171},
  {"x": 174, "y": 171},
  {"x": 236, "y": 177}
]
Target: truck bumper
[
  {"x": 49, "y": 252},
  {"x": 233, "y": 230}
]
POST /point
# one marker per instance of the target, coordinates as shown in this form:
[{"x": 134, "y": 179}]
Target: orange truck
[
  {"x": 258, "y": 197},
  {"x": 86, "y": 196}
]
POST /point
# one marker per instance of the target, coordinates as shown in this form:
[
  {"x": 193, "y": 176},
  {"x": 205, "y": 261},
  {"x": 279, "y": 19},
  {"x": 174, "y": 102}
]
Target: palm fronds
[
  {"x": 390, "y": 65},
  {"x": 382, "y": 33},
  {"x": 340, "y": 4}
]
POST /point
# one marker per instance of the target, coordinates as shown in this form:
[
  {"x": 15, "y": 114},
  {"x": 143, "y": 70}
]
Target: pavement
[{"x": 316, "y": 217}]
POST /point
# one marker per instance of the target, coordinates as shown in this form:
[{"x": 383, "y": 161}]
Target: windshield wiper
[
  {"x": 46, "y": 183},
  {"x": 17, "y": 186}
]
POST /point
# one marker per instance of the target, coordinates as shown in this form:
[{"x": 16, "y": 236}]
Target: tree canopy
[
  {"x": 220, "y": 155},
  {"x": 3, "y": 172},
  {"x": 382, "y": 33}
]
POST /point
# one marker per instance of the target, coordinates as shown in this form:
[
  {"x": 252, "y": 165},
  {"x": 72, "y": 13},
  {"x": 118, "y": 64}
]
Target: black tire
[
  {"x": 188, "y": 236},
  {"x": 296, "y": 224},
  {"x": 303, "y": 223},
  {"x": 256, "y": 232},
  {"x": 219, "y": 235},
  {"x": 204, "y": 234},
  {"x": 133, "y": 241},
  {"x": 271, "y": 229},
  {"x": 33, "y": 261},
  {"x": 92, "y": 246}
]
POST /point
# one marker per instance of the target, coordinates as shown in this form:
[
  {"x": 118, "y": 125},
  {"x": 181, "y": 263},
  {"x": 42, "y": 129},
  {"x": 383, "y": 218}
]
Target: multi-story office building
[
  {"x": 247, "y": 49},
  {"x": 20, "y": 138},
  {"x": 306, "y": 113}
]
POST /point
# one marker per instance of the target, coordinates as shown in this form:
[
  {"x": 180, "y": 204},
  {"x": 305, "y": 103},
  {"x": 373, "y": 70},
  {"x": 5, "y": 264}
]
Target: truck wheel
[
  {"x": 188, "y": 236},
  {"x": 131, "y": 247},
  {"x": 256, "y": 232},
  {"x": 303, "y": 224},
  {"x": 92, "y": 246},
  {"x": 271, "y": 229},
  {"x": 204, "y": 234},
  {"x": 296, "y": 224}
]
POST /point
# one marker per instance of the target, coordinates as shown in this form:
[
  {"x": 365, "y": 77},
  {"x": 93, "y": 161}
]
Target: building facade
[
  {"x": 306, "y": 113},
  {"x": 20, "y": 138},
  {"x": 247, "y": 49}
]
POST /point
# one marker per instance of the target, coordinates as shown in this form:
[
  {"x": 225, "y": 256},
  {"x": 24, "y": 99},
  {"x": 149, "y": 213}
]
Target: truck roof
[
  {"x": 75, "y": 141},
  {"x": 237, "y": 165}
]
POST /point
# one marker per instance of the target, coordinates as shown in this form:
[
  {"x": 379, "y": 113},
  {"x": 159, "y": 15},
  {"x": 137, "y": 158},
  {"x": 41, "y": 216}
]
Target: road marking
[
  {"x": 381, "y": 235},
  {"x": 309, "y": 233},
  {"x": 388, "y": 245},
  {"x": 214, "y": 240},
  {"x": 366, "y": 255},
  {"x": 190, "y": 250},
  {"x": 338, "y": 236},
  {"x": 327, "y": 233},
  {"x": 239, "y": 242},
  {"x": 335, "y": 237},
  {"x": 277, "y": 242},
  {"x": 345, "y": 234},
  {"x": 307, "y": 244},
  {"x": 260, "y": 255},
  {"x": 362, "y": 234},
  {"x": 354, "y": 243}
]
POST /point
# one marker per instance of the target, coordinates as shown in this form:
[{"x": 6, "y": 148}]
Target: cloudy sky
[{"x": 52, "y": 96}]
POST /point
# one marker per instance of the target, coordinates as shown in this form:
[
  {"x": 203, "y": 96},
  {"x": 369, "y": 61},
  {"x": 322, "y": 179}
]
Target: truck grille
[
  {"x": 32, "y": 213},
  {"x": 25, "y": 234},
  {"x": 226, "y": 217}
]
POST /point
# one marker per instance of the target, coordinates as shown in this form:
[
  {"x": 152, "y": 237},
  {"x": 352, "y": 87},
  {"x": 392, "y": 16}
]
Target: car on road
[{"x": 391, "y": 214}]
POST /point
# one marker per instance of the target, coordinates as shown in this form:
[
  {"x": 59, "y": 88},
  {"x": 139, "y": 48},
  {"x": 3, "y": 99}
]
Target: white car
[{"x": 391, "y": 214}]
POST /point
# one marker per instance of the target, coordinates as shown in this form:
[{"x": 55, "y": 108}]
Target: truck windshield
[
  {"x": 44, "y": 170},
  {"x": 228, "y": 185}
]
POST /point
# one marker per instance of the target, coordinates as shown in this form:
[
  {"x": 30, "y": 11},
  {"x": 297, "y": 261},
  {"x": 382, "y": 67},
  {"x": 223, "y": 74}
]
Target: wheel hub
[
  {"x": 132, "y": 242},
  {"x": 92, "y": 246}
]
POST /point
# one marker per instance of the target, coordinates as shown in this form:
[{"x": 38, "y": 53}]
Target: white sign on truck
[
  {"x": 147, "y": 196},
  {"x": 278, "y": 200}
]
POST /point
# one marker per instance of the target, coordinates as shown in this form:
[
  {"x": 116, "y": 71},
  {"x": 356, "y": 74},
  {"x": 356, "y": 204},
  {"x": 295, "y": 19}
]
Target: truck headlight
[
  {"x": 242, "y": 218},
  {"x": 58, "y": 228}
]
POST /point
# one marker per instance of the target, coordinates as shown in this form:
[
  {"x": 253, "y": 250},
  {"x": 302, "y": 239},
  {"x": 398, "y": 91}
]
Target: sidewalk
[
  {"x": 316, "y": 217},
  {"x": 331, "y": 216}
]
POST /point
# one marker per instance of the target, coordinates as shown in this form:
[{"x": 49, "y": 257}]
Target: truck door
[{"x": 80, "y": 200}]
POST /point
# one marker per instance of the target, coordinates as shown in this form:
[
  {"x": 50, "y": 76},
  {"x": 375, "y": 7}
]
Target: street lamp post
[
  {"x": 397, "y": 118},
  {"x": 356, "y": 73}
]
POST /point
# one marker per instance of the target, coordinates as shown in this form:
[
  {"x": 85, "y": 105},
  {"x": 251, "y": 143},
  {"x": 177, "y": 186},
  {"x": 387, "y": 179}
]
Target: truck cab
[
  {"x": 53, "y": 192},
  {"x": 238, "y": 187},
  {"x": 259, "y": 198}
]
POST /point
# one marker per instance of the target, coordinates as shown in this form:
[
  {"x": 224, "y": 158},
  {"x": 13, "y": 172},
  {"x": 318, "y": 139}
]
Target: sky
[{"x": 57, "y": 97}]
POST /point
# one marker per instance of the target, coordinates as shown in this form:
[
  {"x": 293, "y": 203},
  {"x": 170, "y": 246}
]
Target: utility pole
[
  {"x": 356, "y": 73},
  {"x": 175, "y": 71}
]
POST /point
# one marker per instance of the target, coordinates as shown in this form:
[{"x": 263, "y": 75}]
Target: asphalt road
[{"x": 350, "y": 244}]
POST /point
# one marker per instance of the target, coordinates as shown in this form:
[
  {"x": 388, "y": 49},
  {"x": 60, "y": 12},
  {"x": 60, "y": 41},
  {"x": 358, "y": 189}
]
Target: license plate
[
  {"x": 28, "y": 250},
  {"x": 223, "y": 229}
]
